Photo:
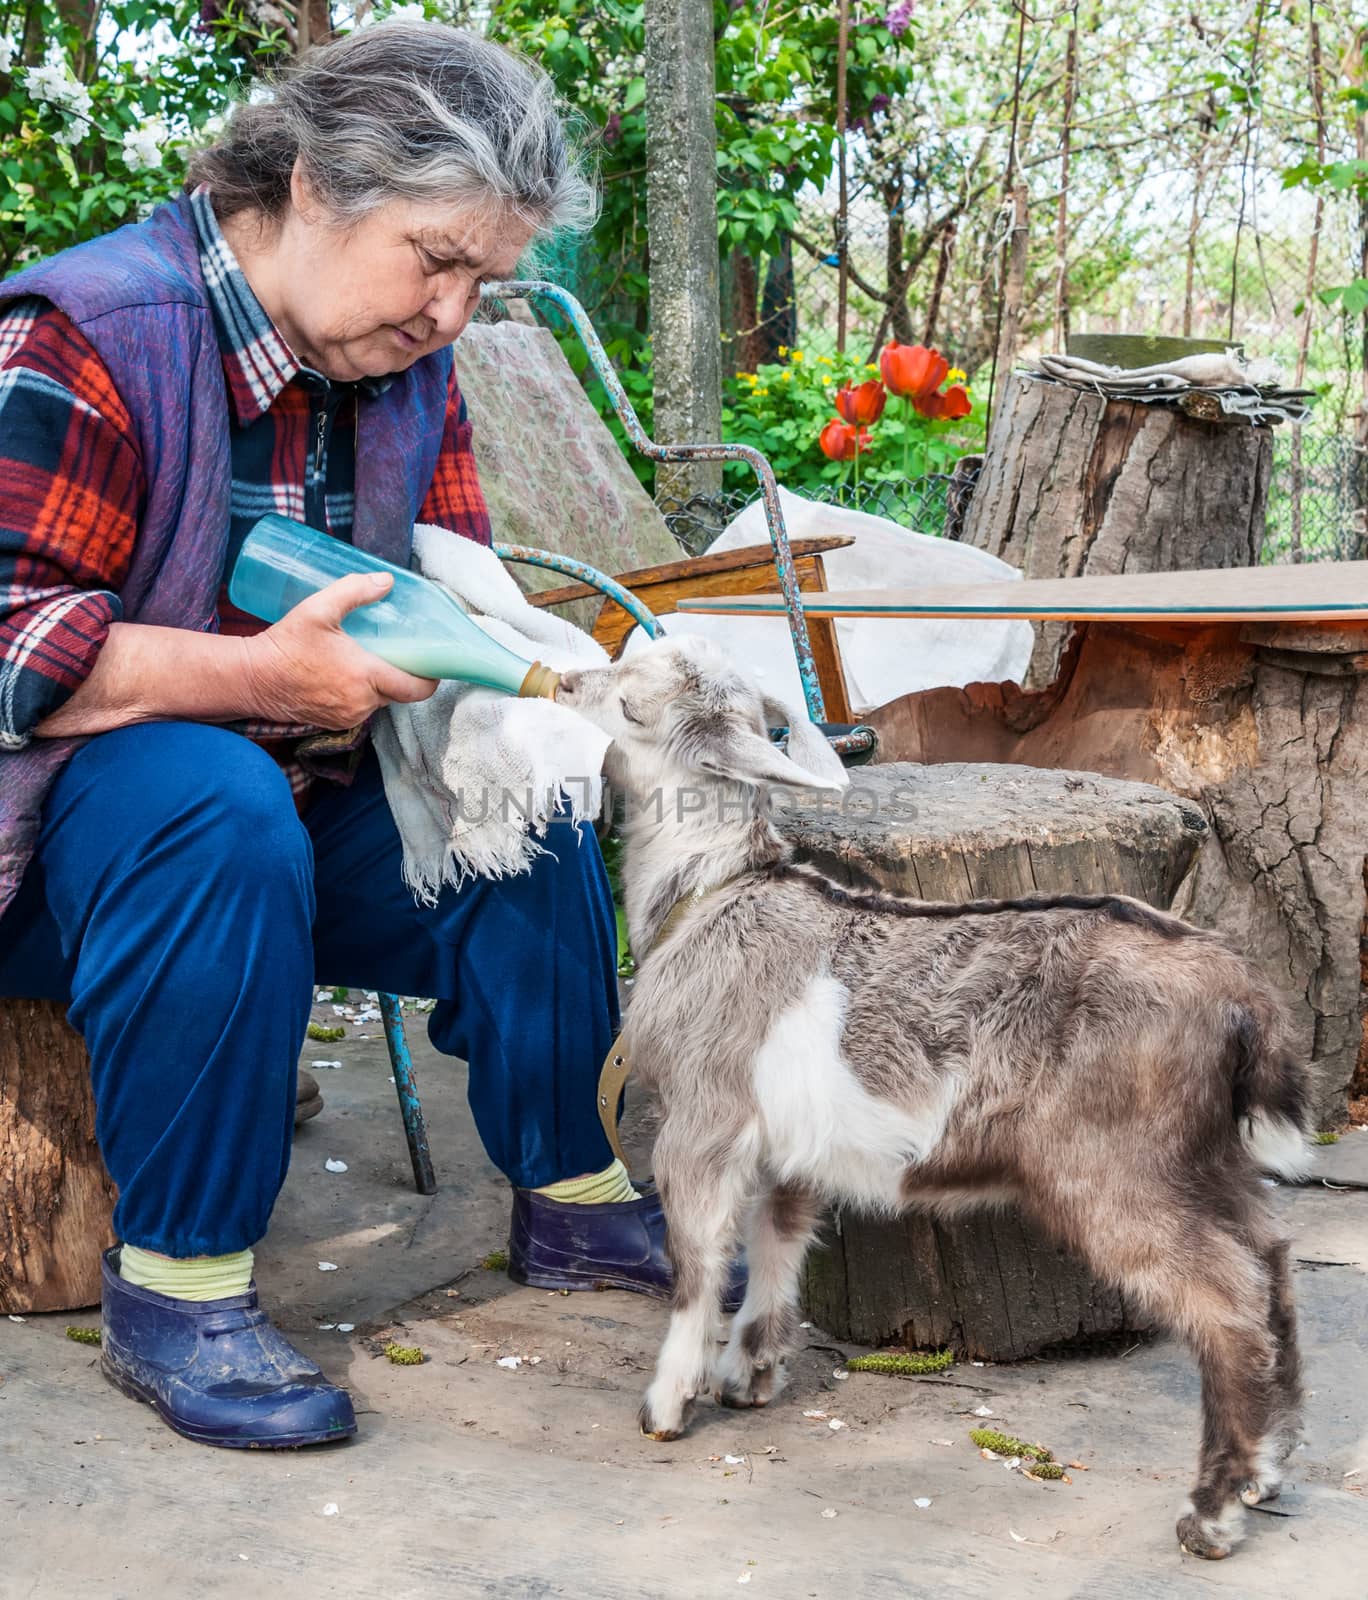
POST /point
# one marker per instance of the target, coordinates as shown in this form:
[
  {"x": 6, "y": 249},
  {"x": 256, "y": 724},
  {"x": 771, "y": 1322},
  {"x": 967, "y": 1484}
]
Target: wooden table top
[{"x": 1317, "y": 591}]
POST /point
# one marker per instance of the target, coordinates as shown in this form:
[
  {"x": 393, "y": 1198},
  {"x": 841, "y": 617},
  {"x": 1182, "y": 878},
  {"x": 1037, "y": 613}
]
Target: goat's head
[{"x": 681, "y": 711}]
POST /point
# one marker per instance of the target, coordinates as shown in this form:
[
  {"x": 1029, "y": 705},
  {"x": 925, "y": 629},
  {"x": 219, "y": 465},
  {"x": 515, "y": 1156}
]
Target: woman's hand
[{"x": 305, "y": 669}]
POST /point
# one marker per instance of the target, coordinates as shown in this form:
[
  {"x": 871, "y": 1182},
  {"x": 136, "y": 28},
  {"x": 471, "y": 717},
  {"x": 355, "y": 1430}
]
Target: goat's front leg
[
  {"x": 702, "y": 1200},
  {"x": 751, "y": 1369}
]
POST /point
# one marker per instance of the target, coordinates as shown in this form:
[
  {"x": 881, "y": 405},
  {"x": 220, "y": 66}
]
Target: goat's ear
[
  {"x": 749, "y": 758},
  {"x": 808, "y": 746}
]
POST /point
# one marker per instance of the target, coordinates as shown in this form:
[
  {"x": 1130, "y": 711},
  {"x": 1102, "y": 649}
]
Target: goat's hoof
[
  {"x": 742, "y": 1399},
  {"x": 653, "y": 1428},
  {"x": 1199, "y": 1538},
  {"x": 1260, "y": 1491},
  {"x": 753, "y": 1390}
]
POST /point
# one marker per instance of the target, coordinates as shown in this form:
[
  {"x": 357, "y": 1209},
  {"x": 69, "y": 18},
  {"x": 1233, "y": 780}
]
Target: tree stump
[
  {"x": 57, "y": 1200},
  {"x": 988, "y": 1284},
  {"x": 1072, "y": 483}
]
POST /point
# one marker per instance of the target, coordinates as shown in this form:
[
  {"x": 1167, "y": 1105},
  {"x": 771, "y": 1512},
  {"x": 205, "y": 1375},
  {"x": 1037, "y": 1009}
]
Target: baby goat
[{"x": 1091, "y": 1059}]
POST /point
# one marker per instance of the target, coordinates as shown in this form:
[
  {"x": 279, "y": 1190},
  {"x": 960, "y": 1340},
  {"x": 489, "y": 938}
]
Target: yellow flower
[
  {"x": 786, "y": 375},
  {"x": 794, "y": 355},
  {"x": 783, "y": 350},
  {"x": 955, "y": 375},
  {"x": 761, "y": 390},
  {"x": 826, "y": 361}
]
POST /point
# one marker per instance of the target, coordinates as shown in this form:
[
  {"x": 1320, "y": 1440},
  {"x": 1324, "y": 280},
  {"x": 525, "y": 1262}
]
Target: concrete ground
[{"x": 468, "y": 1478}]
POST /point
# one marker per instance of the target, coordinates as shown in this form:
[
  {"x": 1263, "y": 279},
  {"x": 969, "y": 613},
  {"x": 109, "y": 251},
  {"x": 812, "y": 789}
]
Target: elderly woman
[{"x": 192, "y": 824}]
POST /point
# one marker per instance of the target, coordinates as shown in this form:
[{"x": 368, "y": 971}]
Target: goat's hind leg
[
  {"x": 1285, "y": 1427},
  {"x": 751, "y": 1370},
  {"x": 702, "y": 1202},
  {"x": 1197, "y": 1273}
]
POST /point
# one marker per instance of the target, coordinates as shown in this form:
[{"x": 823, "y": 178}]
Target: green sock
[
  {"x": 195, "y": 1278},
  {"x": 612, "y": 1186}
]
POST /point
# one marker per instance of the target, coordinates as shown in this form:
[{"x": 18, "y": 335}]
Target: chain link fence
[
  {"x": 934, "y": 504},
  {"x": 1317, "y": 502},
  {"x": 1317, "y": 498}
]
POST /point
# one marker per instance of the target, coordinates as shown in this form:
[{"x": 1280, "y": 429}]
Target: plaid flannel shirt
[{"x": 72, "y": 485}]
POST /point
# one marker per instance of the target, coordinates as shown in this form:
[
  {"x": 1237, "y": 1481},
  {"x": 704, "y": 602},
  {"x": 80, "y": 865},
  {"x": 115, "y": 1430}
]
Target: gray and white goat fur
[{"x": 1118, "y": 1074}]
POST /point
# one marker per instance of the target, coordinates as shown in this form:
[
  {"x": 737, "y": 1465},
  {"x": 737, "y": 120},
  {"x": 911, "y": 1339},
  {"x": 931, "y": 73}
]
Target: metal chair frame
[{"x": 855, "y": 743}]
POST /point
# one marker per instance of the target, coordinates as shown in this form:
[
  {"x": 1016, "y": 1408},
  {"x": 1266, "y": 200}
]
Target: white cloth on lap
[
  {"x": 884, "y": 658},
  {"x": 472, "y": 775}
]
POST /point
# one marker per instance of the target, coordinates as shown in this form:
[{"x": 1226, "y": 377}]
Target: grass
[
  {"x": 404, "y": 1355},
  {"x": 1004, "y": 1444},
  {"x": 903, "y": 1363}
]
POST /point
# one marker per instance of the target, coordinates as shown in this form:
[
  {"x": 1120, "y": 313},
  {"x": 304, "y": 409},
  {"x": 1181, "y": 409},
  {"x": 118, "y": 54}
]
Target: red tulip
[
  {"x": 861, "y": 402},
  {"x": 946, "y": 407},
  {"x": 840, "y": 441},
  {"x": 955, "y": 403},
  {"x": 911, "y": 371}
]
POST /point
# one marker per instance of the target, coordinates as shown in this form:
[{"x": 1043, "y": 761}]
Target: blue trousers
[{"x": 184, "y": 911}]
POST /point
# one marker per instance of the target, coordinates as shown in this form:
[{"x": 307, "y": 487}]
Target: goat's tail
[{"x": 1270, "y": 1098}]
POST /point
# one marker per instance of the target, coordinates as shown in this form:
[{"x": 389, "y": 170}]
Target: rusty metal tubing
[
  {"x": 406, "y": 1087},
  {"x": 572, "y": 568},
  {"x": 578, "y": 318}
]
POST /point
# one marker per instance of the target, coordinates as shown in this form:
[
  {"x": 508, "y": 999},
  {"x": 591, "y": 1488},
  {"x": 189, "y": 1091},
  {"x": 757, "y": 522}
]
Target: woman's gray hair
[{"x": 402, "y": 110}]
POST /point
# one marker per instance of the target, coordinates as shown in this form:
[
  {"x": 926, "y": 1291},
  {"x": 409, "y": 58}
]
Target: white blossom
[
  {"x": 142, "y": 147},
  {"x": 9, "y": 53},
  {"x": 406, "y": 11},
  {"x": 53, "y": 84}
]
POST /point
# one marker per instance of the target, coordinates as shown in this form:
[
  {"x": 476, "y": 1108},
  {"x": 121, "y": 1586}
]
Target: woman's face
[{"x": 367, "y": 300}]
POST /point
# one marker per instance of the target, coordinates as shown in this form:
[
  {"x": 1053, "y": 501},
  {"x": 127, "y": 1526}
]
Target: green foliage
[
  {"x": 83, "y": 1335},
  {"x": 495, "y": 1261},
  {"x": 1325, "y": 1138},
  {"x": 775, "y": 115},
  {"x": 782, "y": 408},
  {"x": 1352, "y": 298},
  {"x": 93, "y": 130},
  {"x": 1339, "y": 175},
  {"x": 321, "y": 1035}
]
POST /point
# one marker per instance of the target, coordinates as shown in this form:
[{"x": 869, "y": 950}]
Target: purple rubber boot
[
  {"x": 552, "y": 1245},
  {"x": 216, "y": 1371}
]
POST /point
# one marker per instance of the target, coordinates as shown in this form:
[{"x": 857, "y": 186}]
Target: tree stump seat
[
  {"x": 987, "y": 1284},
  {"x": 56, "y": 1198},
  {"x": 1075, "y": 483}
]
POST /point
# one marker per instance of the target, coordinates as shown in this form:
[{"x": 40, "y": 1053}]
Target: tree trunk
[
  {"x": 947, "y": 246},
  {"x": 898, "y": 314},
  {"x": 988, "y": 1284},
  {"x": 745, "y": 297},
  {"x": 779, "y": 303},
  {"x": 1073, "y": 484},
  {"x": 681, "y": 175},
  {"x": 1061, "y": 293},
  {"x": 1013, "y": 296},
  {"x": 842, "y": 178},
  {"x": 57, "y": 1199}
]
